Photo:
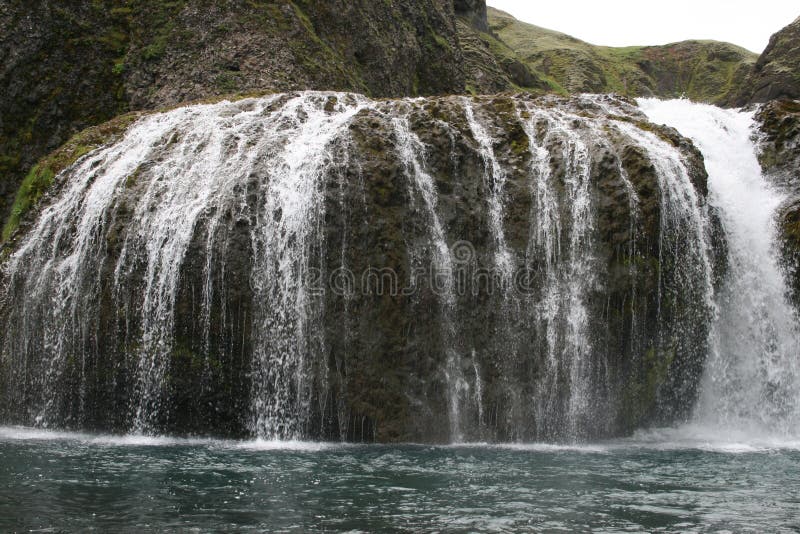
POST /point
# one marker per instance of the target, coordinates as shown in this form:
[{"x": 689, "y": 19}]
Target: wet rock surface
[{"x": 779, "y": 124}]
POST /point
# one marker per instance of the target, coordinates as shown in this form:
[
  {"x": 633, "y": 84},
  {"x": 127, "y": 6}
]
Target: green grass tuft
[{"x": 33, "y": 187}]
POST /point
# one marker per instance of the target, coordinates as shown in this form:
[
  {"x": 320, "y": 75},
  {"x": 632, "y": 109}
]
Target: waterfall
[
  {"x": 40, "y": 267},
  {"x": 568, "y": 266},
  {"x": 751, "y": 383},
  {"x": 182, "y": 279},
  {"x": 288, "y": 230},
  {"x": 193, "y": 168}
]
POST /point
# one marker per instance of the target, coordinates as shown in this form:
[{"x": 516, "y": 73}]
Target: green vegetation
[
  {"x": 33, "y": 187},
  {"x": 705, "y": 71},
  {"x": 41, "y": 176}
]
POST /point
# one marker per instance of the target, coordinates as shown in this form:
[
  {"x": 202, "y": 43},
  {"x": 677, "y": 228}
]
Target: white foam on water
[
  {"x": 15, "y": 433},
  {"x": 535, "y": 447},
  {"x": 702, "y": 437},
  {"x": 685, "y": 438},
  {"x": 291, "y": 445}
]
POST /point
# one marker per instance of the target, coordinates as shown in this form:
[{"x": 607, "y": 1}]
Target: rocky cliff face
[
  {"x": 474, "y": 11},
  {"x": 57, "y": 77},
  {"x": 67, "y": 67},
  {"x": 328, "y": 266},
  {"x": 490, "y": 65},
  {"x": 779, "y": 122},
  {"x": 776, "y": 75}
]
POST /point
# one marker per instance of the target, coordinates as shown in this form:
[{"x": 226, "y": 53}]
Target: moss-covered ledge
[{"x": 41, "y": 176}]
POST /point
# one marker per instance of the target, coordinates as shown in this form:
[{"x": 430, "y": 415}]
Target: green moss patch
[{"x": 42, "y": 175}]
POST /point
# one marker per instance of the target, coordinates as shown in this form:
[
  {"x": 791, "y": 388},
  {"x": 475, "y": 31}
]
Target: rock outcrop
[
  {"x": 776, "y": 74},
  {"x": 779, "y": 122},
  {"x": 66, "y": 67},
  {"x": 474, "y": 11},
  {"x": 490, "y": 66}
]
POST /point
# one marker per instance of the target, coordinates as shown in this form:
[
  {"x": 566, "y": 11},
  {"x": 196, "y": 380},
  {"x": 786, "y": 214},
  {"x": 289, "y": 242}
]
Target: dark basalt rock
[
  {"x": 66, "y": 67},
  {"x": 474, "y": 11}
]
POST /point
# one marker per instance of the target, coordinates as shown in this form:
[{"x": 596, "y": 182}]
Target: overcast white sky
[{"x": 747, "y": 23}]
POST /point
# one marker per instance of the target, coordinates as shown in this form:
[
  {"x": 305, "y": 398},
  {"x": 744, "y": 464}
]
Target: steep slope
[
  {"x": 490, "y": 66},
  {"x": 777, "y": 72},
  {"x": 701, "y": 70},
  {"x": 66, "y": 67},
  {"x": 474, "y": 12}
]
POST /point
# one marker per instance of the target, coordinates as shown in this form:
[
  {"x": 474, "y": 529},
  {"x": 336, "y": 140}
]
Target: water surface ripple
[{"x": 661, "y": 481}]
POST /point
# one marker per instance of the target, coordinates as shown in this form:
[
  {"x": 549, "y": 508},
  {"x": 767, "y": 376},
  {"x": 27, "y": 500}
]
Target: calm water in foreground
[{"x": 659, "y": 481}]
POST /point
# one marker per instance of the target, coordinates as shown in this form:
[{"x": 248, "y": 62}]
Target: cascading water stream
[
  {"x": 564, "y": 235},
  {"x": 195, "y": 168},
  {"x": 169, "y": 272},
  {"x": 568, "y": 265},
  {"x": 412, "y": 154},
  {"x": 288, "y": 231},
  {"x": 751, "y": 385},
  {"x": 495, "y": 177}
]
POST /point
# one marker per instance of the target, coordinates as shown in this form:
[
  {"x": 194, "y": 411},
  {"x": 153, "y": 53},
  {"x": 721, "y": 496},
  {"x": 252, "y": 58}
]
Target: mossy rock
[{"x": 41, "y": 176}]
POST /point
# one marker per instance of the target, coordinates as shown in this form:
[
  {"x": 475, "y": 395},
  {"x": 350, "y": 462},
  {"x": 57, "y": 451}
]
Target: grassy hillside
[{"x": 706, "y": 71}]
